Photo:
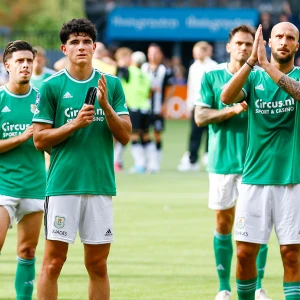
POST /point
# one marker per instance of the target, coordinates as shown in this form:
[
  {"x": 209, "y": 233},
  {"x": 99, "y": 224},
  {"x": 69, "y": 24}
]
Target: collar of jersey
[
  {"x": 80, "y": 81},
  {"x": 15, "y": 95}
]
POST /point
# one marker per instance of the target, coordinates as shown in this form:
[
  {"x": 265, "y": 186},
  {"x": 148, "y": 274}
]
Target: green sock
[
  {"x": 261, "y": 264},
  {"x": 246, "y": 289},
  {"x": 24, "y": 280},
  {"x": 291, "y": 290},
  {"x": 223, "y": 256}
]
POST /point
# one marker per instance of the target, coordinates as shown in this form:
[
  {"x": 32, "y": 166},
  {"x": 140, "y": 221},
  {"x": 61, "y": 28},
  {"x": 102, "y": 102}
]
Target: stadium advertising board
[{"x": 173, "y": 24}]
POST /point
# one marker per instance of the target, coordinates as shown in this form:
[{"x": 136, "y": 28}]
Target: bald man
[{"x": 270, "y": 187}]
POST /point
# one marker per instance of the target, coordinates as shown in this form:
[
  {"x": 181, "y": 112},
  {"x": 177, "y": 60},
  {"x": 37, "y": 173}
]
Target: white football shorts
[
  {"x": 223, "y": 190},
  {"x": 91, "y": 215},
  {"x": 260, "y": 207},
  {"x": 19, "y": 207}
]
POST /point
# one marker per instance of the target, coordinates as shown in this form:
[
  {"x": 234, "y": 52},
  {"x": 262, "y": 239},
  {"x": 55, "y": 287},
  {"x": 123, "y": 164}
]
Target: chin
[{"x": 24, "y": 81}]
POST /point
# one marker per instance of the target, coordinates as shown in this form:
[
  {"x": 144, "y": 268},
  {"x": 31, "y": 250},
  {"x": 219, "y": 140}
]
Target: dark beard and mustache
[{"x": 283, "y": 60}]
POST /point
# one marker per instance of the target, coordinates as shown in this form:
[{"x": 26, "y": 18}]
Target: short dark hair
[
  {"x": 242, "y": 28},
  {"x": 156, "y": 46},
  {"x": 15, "y": 46},
  {"x": 77, "y": 26}
]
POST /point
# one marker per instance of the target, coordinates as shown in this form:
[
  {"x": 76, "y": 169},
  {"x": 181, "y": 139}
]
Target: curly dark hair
[
  {"x": 241, "y": 28},
  {"x": 15, "y": 46},
  {"x": 77, "y": 26}
]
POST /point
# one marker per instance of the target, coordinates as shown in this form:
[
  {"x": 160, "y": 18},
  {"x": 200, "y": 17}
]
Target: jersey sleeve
[
  {"x": 119, "y": 104},
  {"x": 206, "y": 97},
  {"x": 45, "y": 105}
]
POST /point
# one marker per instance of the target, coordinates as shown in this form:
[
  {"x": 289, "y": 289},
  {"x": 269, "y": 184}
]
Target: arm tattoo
[{"x": 291, "y": 86}]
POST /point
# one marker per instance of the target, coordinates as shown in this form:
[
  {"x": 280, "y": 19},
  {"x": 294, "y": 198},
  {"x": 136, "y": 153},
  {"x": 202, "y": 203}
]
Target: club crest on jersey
[
  {"x": 32, "y": 108},
  {"x": 59, "y": 222},
  {"x": 240, "y": 223}
]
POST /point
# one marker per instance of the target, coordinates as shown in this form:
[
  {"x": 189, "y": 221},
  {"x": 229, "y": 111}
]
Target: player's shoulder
[
  {"x": 34, "y": 89},
  {"x": 295, "y": 72},
  {"x": 107, "y": 75},
  {"x": 222, "y": 67},
  {"x": 55, "y": 78}
]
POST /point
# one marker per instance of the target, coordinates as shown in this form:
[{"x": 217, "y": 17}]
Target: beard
[
  {"x": 283, "y": 60},
  {"x": 25, "y": 81}
]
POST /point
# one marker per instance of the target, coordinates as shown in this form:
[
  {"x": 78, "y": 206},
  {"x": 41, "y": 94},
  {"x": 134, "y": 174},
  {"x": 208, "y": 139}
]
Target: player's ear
[
  {"x": 269, "y": 43},
  {"x": 63, "y": 49},
  {"x": 7, "y": 67},
  {"x": 297, "y": 47},
  {"x": 228, "y": 47}
]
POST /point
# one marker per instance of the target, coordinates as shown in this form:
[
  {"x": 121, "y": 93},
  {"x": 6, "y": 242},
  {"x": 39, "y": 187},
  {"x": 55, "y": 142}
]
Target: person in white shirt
[{"x": 202, "y": 63}]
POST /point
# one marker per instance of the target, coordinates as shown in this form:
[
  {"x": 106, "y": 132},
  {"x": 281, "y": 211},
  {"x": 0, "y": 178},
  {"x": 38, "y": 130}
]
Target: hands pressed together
[{"x": 259, "y": 53}]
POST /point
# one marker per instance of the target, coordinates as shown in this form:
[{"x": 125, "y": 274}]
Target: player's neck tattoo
[{"x": 291, "y": 86}]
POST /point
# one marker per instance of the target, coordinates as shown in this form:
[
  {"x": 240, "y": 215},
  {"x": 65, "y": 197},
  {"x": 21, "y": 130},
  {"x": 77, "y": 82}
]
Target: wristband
[{"x": 249, "y": 65}]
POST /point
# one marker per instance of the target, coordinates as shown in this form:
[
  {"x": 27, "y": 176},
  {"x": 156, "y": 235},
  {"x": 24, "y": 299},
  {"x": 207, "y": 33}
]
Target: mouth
[{"x": 283, "y": 50}]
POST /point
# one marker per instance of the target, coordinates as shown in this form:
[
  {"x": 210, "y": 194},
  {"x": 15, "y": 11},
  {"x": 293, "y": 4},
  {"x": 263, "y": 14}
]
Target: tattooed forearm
[
  {"x": 205, "y": 116},
  {"x": 291, "y": 86}
]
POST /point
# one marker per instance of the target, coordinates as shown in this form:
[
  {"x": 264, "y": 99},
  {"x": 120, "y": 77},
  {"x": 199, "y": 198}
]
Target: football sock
[
  {"x": 291, "y": 290},
  {"x": 223, "y": 255},
  {"x": 246, "y": 289},
  {"x": 261, "y": 264},
  {"x": 24, "y": 280}
]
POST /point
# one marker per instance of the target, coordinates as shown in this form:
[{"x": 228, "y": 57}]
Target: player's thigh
[
  {"x": 96, "y": 220},
  {"x": 62, "y": 214},
  {"x": 286, "y": 214},
  {"x": 253, "y": 216},
  {"x": 10, "y": 204},
  {"x": 135, "y": 117},
  {"x": 223, "y": 190},
  {"x": 145, "y": 122},
  {"x": 28, "y": 232},
  {"x": 4, "y": 224}
]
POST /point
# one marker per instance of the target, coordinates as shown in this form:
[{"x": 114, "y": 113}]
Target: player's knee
[
  {"x": 290, "y": 256},
  {"x": 26, "y": 251},
  {"x": 53, "y": 266},
  {"x": 97, "y": 267},
  {"x": 246, "y": 253}
]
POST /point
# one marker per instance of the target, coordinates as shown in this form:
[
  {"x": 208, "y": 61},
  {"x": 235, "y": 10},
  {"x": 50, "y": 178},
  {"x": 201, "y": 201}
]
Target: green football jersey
[
  {"x": 137, "y": 90},
  {"x": 273, "y": 152},
  {"x": 22, "y": 169},
  {"x": 83, "y": 163},
  {"x": 37, "y": 80},
  {"x": 227, "y": 140}
]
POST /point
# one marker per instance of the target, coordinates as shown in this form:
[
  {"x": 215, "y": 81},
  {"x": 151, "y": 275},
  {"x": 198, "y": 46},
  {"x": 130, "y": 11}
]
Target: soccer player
[
  {"x": 81, "y": 180},
  {"x": 40, "y": 71},
  {"x": 161, "y": 77},
  {"x": 226, "y": 154},
  {"x": 22, "y": 167},
  {"x": 270, "y": 181}
]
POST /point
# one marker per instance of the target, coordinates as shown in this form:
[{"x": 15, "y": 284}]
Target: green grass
[{"x": 163, "y": 238}]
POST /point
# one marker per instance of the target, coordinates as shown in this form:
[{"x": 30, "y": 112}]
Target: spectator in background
[
  {"x": 202, "y": 63},
  {"x": 3, "y": 73},
  {"x": 161, "y": 77},
  {"x": 61, "y": 64},
  {"x": 40, "y": 71},
  {"x": 137, "y": 87},
  {"x": 123, "y": 58},
  {"x": 102, "y": 61},
  {"x": 265, "y": 21},
  {"x": 178, "y": 70}
]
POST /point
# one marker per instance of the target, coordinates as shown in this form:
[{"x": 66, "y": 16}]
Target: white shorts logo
[
  {"x": 240, "y": 223},
  {"x": 59, "y": 222}
]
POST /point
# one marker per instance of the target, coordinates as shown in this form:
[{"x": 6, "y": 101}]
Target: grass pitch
[{"x": 163, "y": 238}]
